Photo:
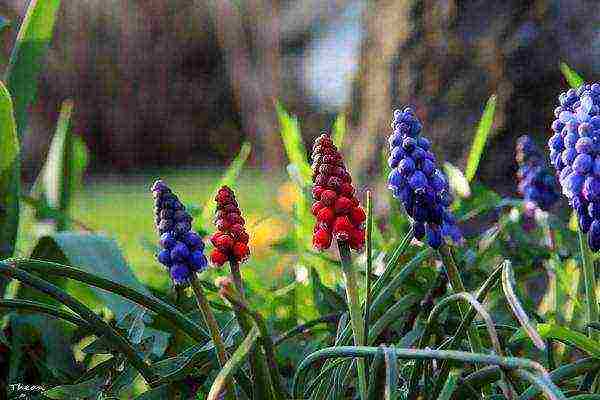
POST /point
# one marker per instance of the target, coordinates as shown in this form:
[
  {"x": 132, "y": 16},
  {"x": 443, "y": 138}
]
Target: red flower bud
[
  {"x": 316, "y": 192},
  {"x": 357, "y": 215},
  {"x": 224, "y": 242},
  {"x": 218, "y": 258},
  {"x": 316, "y": 207},
  {"x": 222, "y": 224},
  {"x": 321, "y": 239},
  {"x": 241, "y": 251},
  {"x": 328, "y": 197},
  {"x": 343, "y": 205},
  {"x": 326, "y": 215},
  {"x": 347, "y": 189},
  {"x": 357, "y": 239},
  {"x": 342, "y": 227}
]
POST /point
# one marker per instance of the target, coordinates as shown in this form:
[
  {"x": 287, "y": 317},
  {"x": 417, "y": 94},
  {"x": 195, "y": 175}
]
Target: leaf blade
[{"x": 481, "y": 135}]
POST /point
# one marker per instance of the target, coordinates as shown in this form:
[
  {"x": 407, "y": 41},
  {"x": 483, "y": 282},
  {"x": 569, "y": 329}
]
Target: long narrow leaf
[
  {"x": 233, "y": 364},
  {"x": 339, "y": 130},
  {"x": 481, "y": 136},
  {"x": 9, "y": 176},
  {"x": 517, "y": 308},
  {"x": 294, "y": 146},
  {"x": 27, "y": 58},
  {"x": 573, "y": 78},
  {"x": 565, "y": 335},
  {"x": 450, "y": 385}
]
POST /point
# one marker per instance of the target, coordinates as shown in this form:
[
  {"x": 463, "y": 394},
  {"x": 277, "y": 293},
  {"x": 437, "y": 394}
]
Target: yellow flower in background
[
  {"x": 288, "y": 196},
  {"x": 264, "y": 232}
]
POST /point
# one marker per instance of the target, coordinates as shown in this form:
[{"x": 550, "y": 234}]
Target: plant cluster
[{"x": 411, "y": 317}]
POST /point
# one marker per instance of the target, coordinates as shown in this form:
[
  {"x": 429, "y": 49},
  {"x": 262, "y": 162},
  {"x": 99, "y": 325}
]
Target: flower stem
[
  {"x": 458, "y": 287},
  {"x": 213, "y": 327},
  {"x": 355, "y": 312},
  {"x": 589, "y": 275},
  {"x": 234, "y": 266}
]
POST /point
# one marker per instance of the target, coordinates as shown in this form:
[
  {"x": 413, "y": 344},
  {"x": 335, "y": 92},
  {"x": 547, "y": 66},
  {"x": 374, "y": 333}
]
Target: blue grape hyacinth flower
[
  {"x": 535, "y": 182},
  {"x": 575, "y": 153},
  {"x": 182, "y": 250},
  {"x": 417, "y": 182}
]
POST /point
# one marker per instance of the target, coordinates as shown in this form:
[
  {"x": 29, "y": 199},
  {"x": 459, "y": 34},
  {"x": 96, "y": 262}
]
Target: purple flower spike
[
  {"x": 575, "y": 153},
  {"x": 418, "y": 183}
]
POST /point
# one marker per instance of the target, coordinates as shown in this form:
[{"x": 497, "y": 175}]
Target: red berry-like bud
[
  {"x": 328, "y": 197},
  {"x": 321, "y": 239},
  {"x": 218, "y": 258},
  {"x": 223, "y": 224},
  {"x": 215, "y": 238},
  {"x": 241, "y": 251},
  {"x": 316, "y": 207},
  {"x": 243, "y": 237},
  {"x": 355, "y": 201},
  {"x": 347, "y": 189},
  {"x": 321, "y": 179},
  {"x": 357, "y": 215},
  {"x": 224, "y": 243},
  {"x": 343, "y": 205},
  {"x": 316, "y": 192},
  {"x": 326, "y": 215},
  {"x": 342, "y": 228},
  {"x": 357, "y": 239},
  {"x": 334, "y": 183}
]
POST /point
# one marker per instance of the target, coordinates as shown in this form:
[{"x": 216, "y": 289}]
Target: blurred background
[{"x": 174, "y": 87}]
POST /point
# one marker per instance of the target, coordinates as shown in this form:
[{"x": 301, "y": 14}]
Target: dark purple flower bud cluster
[
  {"x": 418, "y": 183},
  {"x": 536, "y": 183},
  {"x": 575, "y": 153},
  {"x": 182, "y": 250}
]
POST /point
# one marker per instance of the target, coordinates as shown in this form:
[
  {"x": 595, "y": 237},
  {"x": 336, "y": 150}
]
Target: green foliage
[
  {"x": 573, "y": 78},
  {"x": 481, "y": 135}
]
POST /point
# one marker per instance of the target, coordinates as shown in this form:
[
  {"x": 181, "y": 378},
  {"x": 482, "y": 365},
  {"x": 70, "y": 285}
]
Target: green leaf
[
  {"x": 565, "y": 335},
  {"x": 159, "y": 393},
  {"x": 450, "y": 385},
  {"x": 481, "y": 136},
  {"x": 293, "y": 143},
  {"x": 101, "y": 256},
  {"x": 457, "y": 181},
  {"x": 233, "y": 364},
  {"x": 339, "y": 130},
  {"x": 229, "y": 178},
  {"x": 573, "y": 78},
  {"x": 27, "y": 58},
  {"x": 81, "y": 390},
  {"x": 10, "y": 177},
  {"x": 9, "y": 142}
]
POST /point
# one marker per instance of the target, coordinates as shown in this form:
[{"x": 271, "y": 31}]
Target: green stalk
[
  {"x": 590, "y": 285},
  {"x": 369, "y": 268},
  {"x": 236, "y": 275},
  {"x": 266, "y": 342},
  {"x": 213, "y": 328},
  {"x": 158, "y": 306},
  {"x": 111, "y": 335},
  {"x": 458, "y": 287},
  {"x": 258, "y": 363},
  {"x": 356, "y": 318}
]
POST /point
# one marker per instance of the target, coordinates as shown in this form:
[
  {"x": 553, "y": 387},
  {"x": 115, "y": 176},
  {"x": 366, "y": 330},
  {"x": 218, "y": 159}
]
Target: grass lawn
[{"x": 121, "y": 207}]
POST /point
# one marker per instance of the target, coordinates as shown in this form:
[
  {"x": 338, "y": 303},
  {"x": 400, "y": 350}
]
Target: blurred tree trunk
[{"x": 445, "y": 59}]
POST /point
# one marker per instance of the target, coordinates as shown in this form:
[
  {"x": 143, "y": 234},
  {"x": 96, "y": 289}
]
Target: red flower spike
[
  {"x": 336, "y": 208},
  {"x": 231, "y": 239}
]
